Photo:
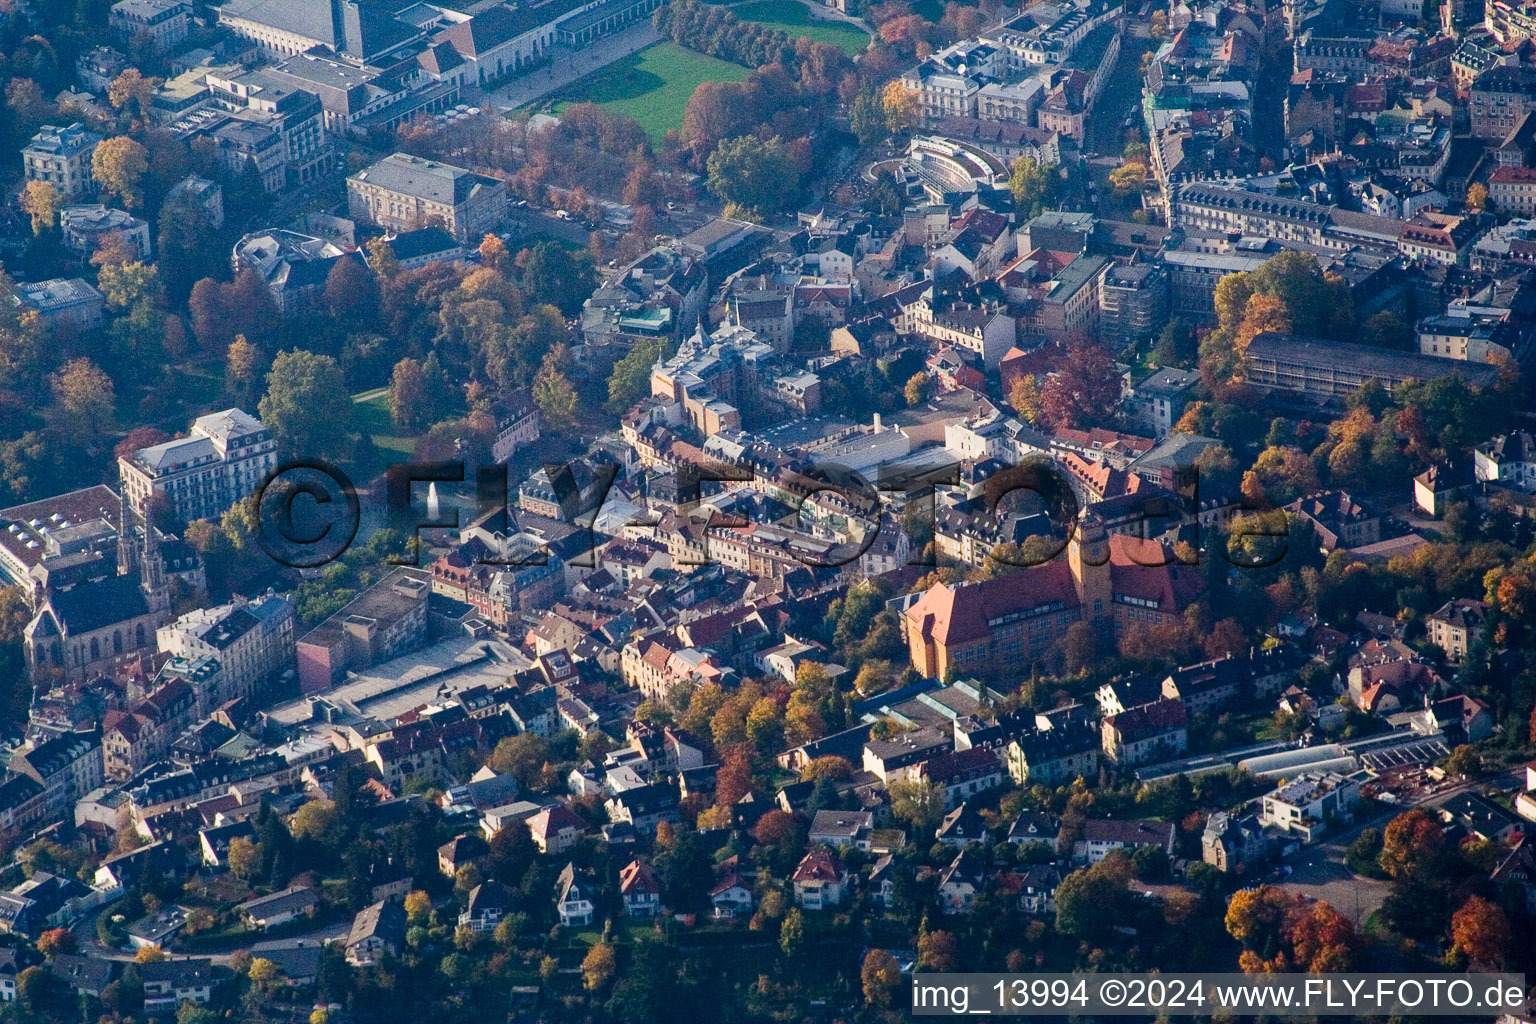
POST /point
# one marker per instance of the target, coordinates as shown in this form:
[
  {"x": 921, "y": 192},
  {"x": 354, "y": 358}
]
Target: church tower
[
  {"x": 152, "y": 573},
  {"x": 1088, "y": 558},
  {"x": 127, "y": 553}
]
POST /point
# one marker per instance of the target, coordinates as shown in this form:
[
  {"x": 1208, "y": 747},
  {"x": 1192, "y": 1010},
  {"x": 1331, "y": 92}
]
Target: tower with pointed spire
[
  {"x": 127, "y": 553},
  {"x": 157, "y": 594}
]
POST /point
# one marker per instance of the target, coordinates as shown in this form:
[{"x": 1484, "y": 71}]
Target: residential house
[
  {"x": 1233, "y": 842},
  {"x": 820, "y": 881},
  {"x": 1518, "y": 870},
  {"x": 730, "y": 896},
  {"x": 485, "y": 906},
  {"x": 280, "y": 908},
  {"x": 644, "y": 807},
  {"x": 961, "y": 882},
  {"x": 214, "y": 842},
  {"x": 640, "y": 890},
  {"x": 377, "y": 930},
  {"x": 1037, "y": 889},
  {"x": 962, "y": 825},
  {"x": 82, "y": 975},
  {"x": 1103, "y": 836},
  {"x": 842, "y": 828},
  {"x": 556, "y": 829},
  {"x": 1034, "y": 827},
  {"x": 573, "y": 898},
  {"x": 169, "y": 983},
  {"x": 1145, "y": 733},
  {"x": 1509, "y": 460},
  {"x": 460, "y": 852}
]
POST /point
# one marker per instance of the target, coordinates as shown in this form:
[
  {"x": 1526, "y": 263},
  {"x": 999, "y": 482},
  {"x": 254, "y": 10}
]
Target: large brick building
[{"x": 1019, "y": 619}]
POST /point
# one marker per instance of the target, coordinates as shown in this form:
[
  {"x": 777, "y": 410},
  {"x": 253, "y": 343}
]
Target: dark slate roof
[
  {"x": 87, "y": 607},
  {"x": 302, "y": 17},
  {"x": 483, "y": 32}
]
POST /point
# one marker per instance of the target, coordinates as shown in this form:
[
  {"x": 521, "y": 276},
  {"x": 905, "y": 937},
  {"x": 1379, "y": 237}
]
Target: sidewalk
[{"x": 567, "y": 66}]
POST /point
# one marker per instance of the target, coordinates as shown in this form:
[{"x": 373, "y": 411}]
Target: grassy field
[
  {"x": 652, "y": 86},
  {"x": 373, "y": 413},
  {"x": 792, "y": 17}
]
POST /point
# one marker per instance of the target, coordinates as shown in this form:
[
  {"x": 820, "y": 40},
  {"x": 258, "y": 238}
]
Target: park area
[
  {"x": 792, "y": 17},
  {"x": 652, "y": 86}
]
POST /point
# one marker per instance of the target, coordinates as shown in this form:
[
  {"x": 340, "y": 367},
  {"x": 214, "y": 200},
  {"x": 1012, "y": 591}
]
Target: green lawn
[
  {"x": 373, "y": 413},
  {"x": 652, "y": 85},
  {"x": 792, "y": 17}
]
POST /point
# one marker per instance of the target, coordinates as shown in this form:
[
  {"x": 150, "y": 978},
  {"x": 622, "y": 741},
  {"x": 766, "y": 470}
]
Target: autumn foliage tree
[
  {"x": 1481, "y": 931},
  {"x": 119, "y": 165},
  {"x": 1412, "y": 844},
  {"x": 880, "y": 975},
  {"x": 1084, "y": 391}
]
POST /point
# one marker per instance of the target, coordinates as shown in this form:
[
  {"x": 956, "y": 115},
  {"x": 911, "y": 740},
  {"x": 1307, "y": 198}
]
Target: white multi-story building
[
  {"x": 1509, "y": 460},
  {"x": 164, "y": 22},
  {"x": 1307, "y": 803},
  {"x": 251, "y": 640},
  {"x": 404, "y": 192},
  {"x": 221, "y": 461},
  {"x": 62, "y": 158},
  {"x": 86, "y": 226}
]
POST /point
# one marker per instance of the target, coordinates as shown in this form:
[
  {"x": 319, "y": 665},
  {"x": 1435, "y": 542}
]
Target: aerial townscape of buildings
[{"x": 968, "y": 487}]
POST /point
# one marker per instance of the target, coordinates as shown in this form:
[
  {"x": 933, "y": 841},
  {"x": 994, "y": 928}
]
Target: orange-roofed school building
[{"x": 1021, "y": 618}]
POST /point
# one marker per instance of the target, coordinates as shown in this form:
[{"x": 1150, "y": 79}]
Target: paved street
[
  {"x": 85, "y": 935},
  {"x": 566, "y": 66}
]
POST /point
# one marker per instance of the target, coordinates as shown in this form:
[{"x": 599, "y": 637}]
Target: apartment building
[
  {"x": 251, "y": 641},
  {"x": 134, "y": 739},
  {"x": 1513, "y": 190},
  {"x": 1499, "y": 98},
  {"x": 1456, "y": 624},
  {"x": 62, "y": 158},
  {"x": 163, "y": 22},
  {"x": 66, "y": 766},
  {"x": 1307, "y": 804},
  {"x": 221, "y": 461}
]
